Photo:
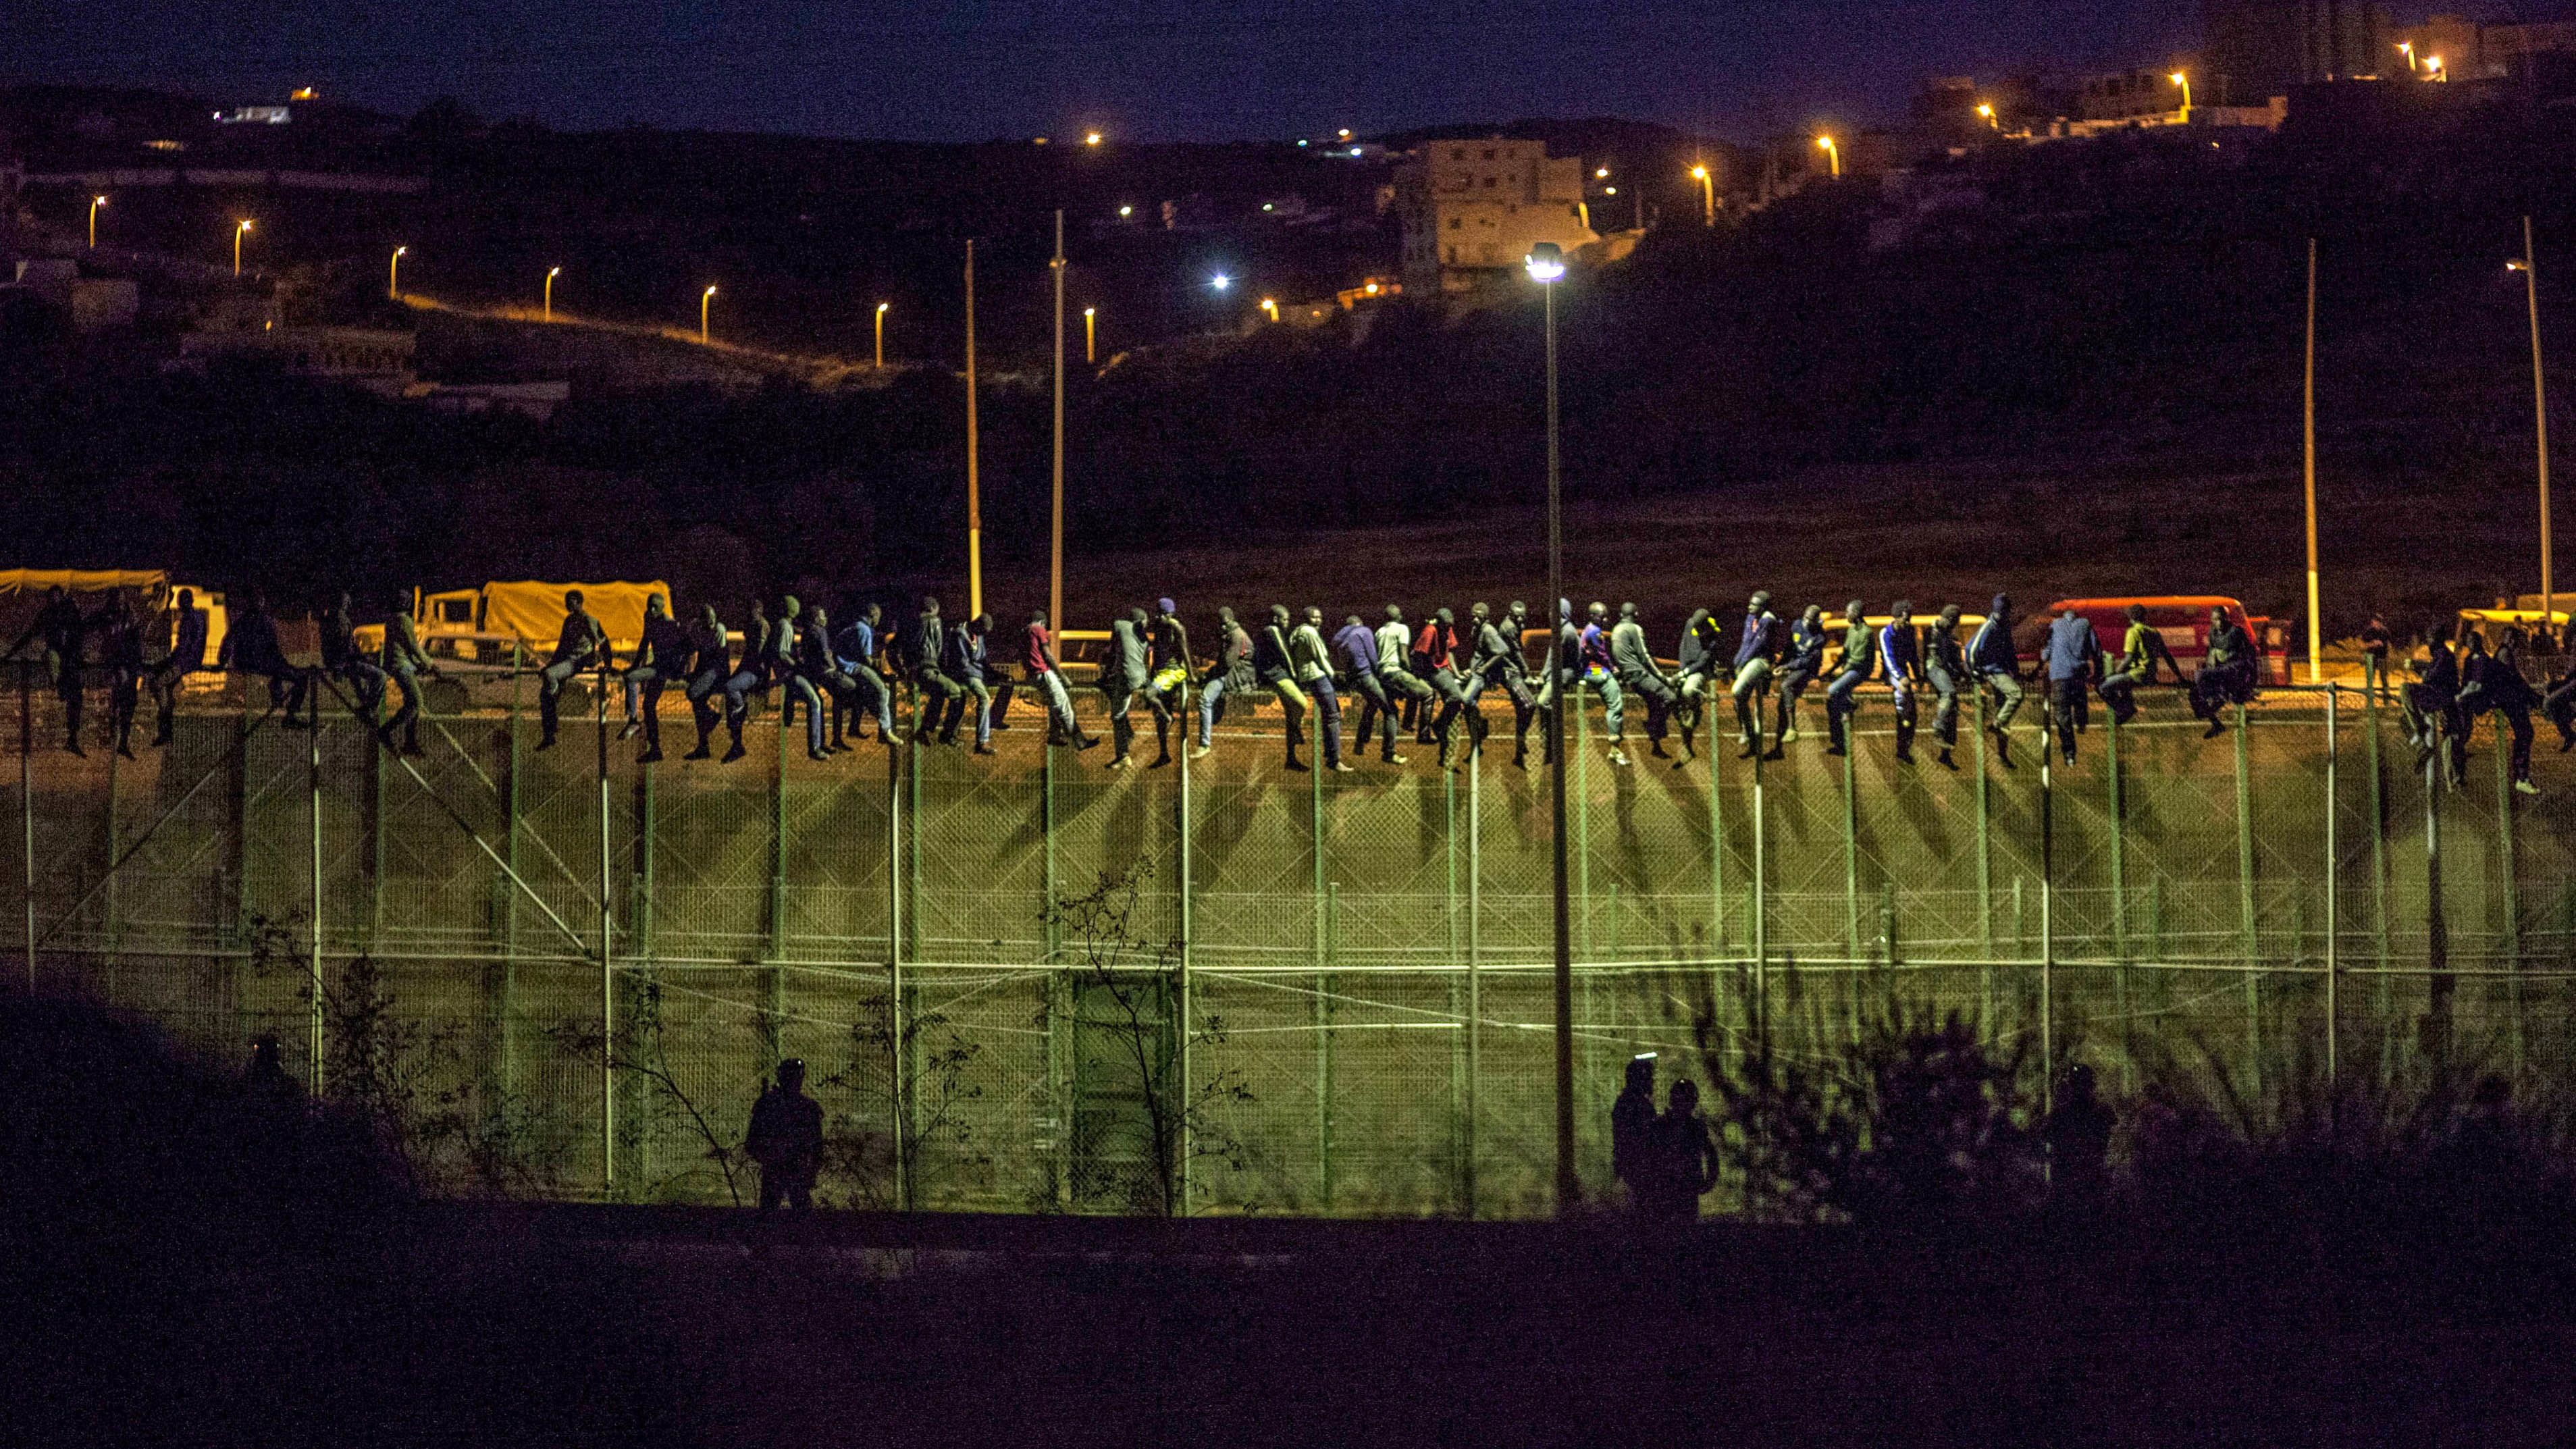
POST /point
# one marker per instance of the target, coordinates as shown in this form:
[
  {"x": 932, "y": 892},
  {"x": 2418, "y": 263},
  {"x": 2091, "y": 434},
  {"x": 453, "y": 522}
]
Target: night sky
[{"x": 1157, "y": 70}]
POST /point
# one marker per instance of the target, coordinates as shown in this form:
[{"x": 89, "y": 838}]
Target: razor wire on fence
[{"x": 1322, "y": 993}]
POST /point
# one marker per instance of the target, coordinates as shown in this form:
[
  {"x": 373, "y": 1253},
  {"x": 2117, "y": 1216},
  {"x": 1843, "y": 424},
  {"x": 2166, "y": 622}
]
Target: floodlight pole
[
  {"x": 1568, "y": 1191},
  {"x": 974, "y": 500},
  {"x": 1055, "y": 515}
]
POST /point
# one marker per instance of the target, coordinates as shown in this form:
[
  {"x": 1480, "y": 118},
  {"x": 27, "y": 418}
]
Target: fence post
[
  {"x": 2120, "y": 908},
  {"x": 2246, "y": 921},
  {"x": 1461, "y": 1133},
  {"x": 1475, "y": 974},
  {"x": 508, "y": 1013},
  {"x": 27, "y": 814},
  {"x": 1985, "y": 872},
  {"x": 899, "y": 1121},
  {"x": 1320, "y": 919},
  {"x": 2334, "y": 907},
  {"x": 1851, "y": 862},
  {"x": 2437, "y": 933},
  {"x": 607, "y": 967},
  {"x": 313, "y": 805},
  {"x": 2047, "y": 926},
  {"x": 1181, "y": 1007},
  {"x": 1762, "y": 912},
  {"x": 2512, "y": 896},
  {"x": 2381, "y": 1003},
  {"x": 1059, "y": 990},
  {"x": 774, "y": 1009}
]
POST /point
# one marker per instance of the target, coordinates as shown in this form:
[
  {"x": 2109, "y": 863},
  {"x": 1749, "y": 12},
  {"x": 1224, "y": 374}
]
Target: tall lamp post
[
  {"x": 974, "y": 461},
  {"x": 551, "y": 274},
  {"x": 240, "y": 229},
  {"x": 705, "y": 299},
  {"x": 881, "y": 311},
  {"x": 1090, "y": 336},
  {"x": 1833, "y": 154},
  {"x": 2308, "y": 414},
  {"x": 1707, "y": 204},
  {"x": 1546, "y": 265},
  {"x": 393, "y": 273},
  {"x": 1055, "y": 509},
  {"x": 95, "y": 203},
  {"x": 2183, "y": 80},
  {"x": 2540, "y": 416}
]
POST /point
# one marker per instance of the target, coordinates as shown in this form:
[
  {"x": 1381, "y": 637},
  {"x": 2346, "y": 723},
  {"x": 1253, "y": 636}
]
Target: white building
[{"x": 1472, "y": 208}]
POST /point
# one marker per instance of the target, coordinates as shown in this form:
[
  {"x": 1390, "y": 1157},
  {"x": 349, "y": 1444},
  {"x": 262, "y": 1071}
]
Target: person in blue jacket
[
  {"x": 1998, "y": 667},
  {"x": 1901, "y": 661}
]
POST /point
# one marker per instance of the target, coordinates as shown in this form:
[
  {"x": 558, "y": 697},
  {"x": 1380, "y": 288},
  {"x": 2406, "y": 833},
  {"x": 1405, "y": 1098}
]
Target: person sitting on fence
[
  {"x": 1685, "y": 1158},
  {"x": 2559, "y": 702},
  {"x": 60, "y": 624},
  {"x": 786, "y": 1140},
  {"x": 580, "y": 644},
  {"x": 120, "y": 658},
  {"x": 2433, "y": 700},
  {"x": 2140, "y": 648},
  {"x": 187, "y": 633},
  {"x": 1851, "y": 670},
  {"x": 1803, "y": 661},
  {"x": 2226, "y": 674},
  {"x": 405, "y": 665},
  {"x": 1632, "y": 1125},
  {"x": 2498, "y": 686},
  {"x": 251, "y": 647}
]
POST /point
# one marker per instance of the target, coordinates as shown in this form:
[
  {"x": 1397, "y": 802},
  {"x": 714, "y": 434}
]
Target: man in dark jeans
[
  {"x": 1851, "y": 670},
  {"x": 60, "y": 624},
  {"x": 404, "y": 664},
  {"x": 1127, "y": 673},
  {"x": 2227, "y": 673},
  {"x": 2074, "y": 665},
  {"x": 1435, "y": 663},
  {"x": 580, "y": 644},
  {"x": 1945, "y": 668},
  {"x": 1805, "y": 660},
  {"x": 343, "y": 659},
  {"x": 2375, "y": 639},
  {"x": 1497, "y": 662},
  {"x": 1232, "y": 673},
  {"x": 251, "y": 647},
  {"x": 929, "y": 656},
  {"x": 750, "y": 676},
  {"x": 709, "y": 670},
  {"x": 187, "y": 656},
  {"x": 970, "y": 668},
  {"x": 1355, "y": 644}
]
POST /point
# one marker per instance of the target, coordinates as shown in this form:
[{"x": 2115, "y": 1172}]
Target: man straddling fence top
[
  {"x": 2226, "y": 674},
  {"x": 60, "y": 624},
  {"x": 786, "y": 1140},
  {"x": 1640, "y": 675},
  {"x": 1356, "y": 644},
  {"x": 1851, "y": 670},
  {"x": 1998, "y": 667},
  {"x": 1231, "y": 673},
  {"x": 580, "y": 642},
  {"x": 1753, "y": 653},
  {"x": 1945, "y": 668},
  {"x": 1805, "y": 659},
  {"x": 2495, "y": 683}
]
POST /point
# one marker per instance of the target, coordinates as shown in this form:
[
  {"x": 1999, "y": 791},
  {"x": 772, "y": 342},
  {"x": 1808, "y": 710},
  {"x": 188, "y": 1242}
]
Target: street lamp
[
  {"x": 2526, "y": 264},
  {"x": 1833, "y": 154},
  {"x": 240, "y": 230},
  {"x": 1707, "y": 199},
  {"x": 393, "y": 273},
  {"x": 2433, "y": 66},
  {"x": 95, "y": 203},
  {"x": 1090, "y": 353},
  {"x": 1271, "y": 306},
  {"x": 1986, "y": 112},
  {"x": 1220, "y": 281},
  {"x": 881, "y": 311},
  {"x": 2407, "y": 49},
  {"x": 1091, "y": 138},
  {"x": 2183, "y": 80},
  {"x": 704, "y": 299},
  {"x": 551, "y": 274},
  {"x": 1546, "y": 265}
]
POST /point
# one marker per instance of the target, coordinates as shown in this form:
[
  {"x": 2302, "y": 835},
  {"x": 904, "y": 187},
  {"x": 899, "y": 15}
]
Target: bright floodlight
[
  {"x": 1220, "y": 281},
  {"x": 1091, "y": 138},
  {"x": 1546, "y": 262}
]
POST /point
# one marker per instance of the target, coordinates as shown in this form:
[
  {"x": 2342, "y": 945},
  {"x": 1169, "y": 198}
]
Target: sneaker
[
  {"x": 1789, "y": 736},
  {"x": 731, "y": 755},
  {"x": 126, "y": 750},
  {"x": 1905, "y": 755},
  {"x": 817, "y": 755},
  {"x": 1773, "y": 753},
  {"x": 1836, "y": 750},
  {"x": 1086, "y": 742},
  {"x": 2214, "y": 731},
  {"x": 413, "y": 749},
  {"x": 547, "y": 743},
  {"x": 2003, "y": 749},
  {"x": 1119, "y": 763},
  {"x": 1338, "y": 768},
  {"x": 700, "y": 753},
  {"x": 2521, "y": 787},
  {"x": 1619, "y": 758},
  {"x": 1943, "y": 759},
  {"x": 649, "y": 757},
  {"x": 1398, "y": 760},
  {"x": 983, "y": 749},
  {"x": 628, "y": 731},
  {"x": 1200, "y": 752},
  {"x": 1297, "y": 765},
  {"x": 1656, "y": 749}
]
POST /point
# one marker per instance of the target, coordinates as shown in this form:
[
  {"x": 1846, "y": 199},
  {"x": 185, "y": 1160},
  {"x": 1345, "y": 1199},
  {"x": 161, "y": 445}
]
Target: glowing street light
[
  {"x": 705, "y": 298},
  {"x": 2183, "y": 80},
  {"x": 1271, "y": 306},
  {"x": 1707, "y": 195},
  {"x": 95, "y": 203},
  {"x": 1220, "y": 281},
  {"x": 1986, "y": 112},
  {"x": 1090, "y": 336},
  {"x": 551, "y": 274},
  {"x": 393, "y": 272},
  {"x": 2406, "y": 48},
  {"x": 2433, "y": 67},
  {"x": 1091, "y": 138},
  {"x": 1600, "y": 173},
  {"x": 881, "y": 311},
  {"x": 240, "y": 229},
  {"x": 1126, "y": 211},
  {"x": 1833, "y": 154},
  {"x": 1546, "y": 263}
]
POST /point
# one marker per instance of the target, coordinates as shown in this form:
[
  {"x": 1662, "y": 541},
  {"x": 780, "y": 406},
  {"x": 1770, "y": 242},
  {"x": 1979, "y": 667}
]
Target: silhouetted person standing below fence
[
  {"x": 266, "y": 1081},
  {"x": 1684, "y": 1157},
  {"x": 1632, "y": 1126},
  {"x": 786, "y": 1140},
  {"x": 2079, "y": 1141}
]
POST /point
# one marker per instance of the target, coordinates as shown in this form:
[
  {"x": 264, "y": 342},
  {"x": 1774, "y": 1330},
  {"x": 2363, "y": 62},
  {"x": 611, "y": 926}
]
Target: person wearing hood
[
  {"x": 1129, "y": 672},
  {"x": 1851, "y": 670},
  {"x": 855, "y": 649},
  {"x": 1945, "y": 668},
  {"x": 1231, "y": 673},
  {"x": 1436, "y": 664},
  {"x": 1638, "y": 673},
  {"x": 1900, "y": 659},
  {"x": 1695, "y": 662},
  {"x": 2227, "y": 675},
  {"x": 1753, "y": 668},
  {"x": 2074, "y": 660},
  {"x": 2495, "y": 683},
  {"x": 1998, "y": 667},
  {"x": 1805, "y": 661},
  {"x": 1355, "y": 644}
]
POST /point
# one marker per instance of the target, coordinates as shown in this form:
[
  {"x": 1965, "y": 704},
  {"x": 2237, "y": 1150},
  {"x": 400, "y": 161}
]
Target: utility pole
[
  {"x": 2540, "y": 415},
  {"x": 1055, "y": 514},
  {"x": 2316, "y": 646},
  {"x": 974, "y": 503}
]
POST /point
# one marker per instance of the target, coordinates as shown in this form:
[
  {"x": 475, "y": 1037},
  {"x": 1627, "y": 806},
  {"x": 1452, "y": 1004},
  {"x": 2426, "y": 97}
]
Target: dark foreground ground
[{"x": 186, "y": 1261}]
